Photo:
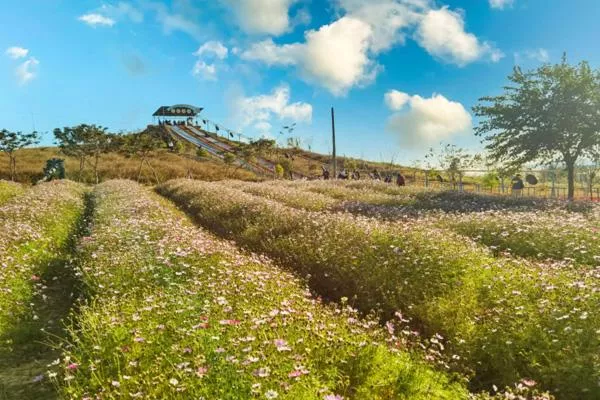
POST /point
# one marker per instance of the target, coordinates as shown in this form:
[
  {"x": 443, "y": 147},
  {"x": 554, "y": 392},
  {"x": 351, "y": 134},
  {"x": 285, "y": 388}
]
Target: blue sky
[{"x": 401, "y": 74}]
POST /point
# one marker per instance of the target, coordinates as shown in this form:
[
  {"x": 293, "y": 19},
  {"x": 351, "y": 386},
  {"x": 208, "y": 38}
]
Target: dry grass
[{"x": 166, "y": 165}]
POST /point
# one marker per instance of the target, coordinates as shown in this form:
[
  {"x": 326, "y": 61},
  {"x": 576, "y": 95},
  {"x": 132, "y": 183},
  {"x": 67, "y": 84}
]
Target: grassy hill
[{"x": 163, "y": 166}]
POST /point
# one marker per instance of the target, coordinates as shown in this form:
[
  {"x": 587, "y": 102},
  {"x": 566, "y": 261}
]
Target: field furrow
[
  {"x": 176, "y": 313},
  {"x": 504, "y": 319}
]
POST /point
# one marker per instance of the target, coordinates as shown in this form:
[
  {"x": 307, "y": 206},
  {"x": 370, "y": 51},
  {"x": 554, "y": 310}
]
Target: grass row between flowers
[
  {"x": 37, "y": 228},
  {"x": 503, "y": 319},
  {"x": 8, "y": 190},
  {"x": 176, "y": 313}
]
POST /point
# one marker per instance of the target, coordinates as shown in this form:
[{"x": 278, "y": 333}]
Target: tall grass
[
  {"x": 503, "y": 319},
  {"x": 166, "y": 165}
]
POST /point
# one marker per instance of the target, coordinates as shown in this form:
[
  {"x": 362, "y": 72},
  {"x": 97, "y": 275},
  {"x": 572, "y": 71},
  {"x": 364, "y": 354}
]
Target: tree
[
  {"x": 142, "y": 145},
  {"x": 544, "y": 115},
  {"x": 455, "y": 160},
  {"x": 84, "y": 142},
  {"x": 10, "y": 142}
]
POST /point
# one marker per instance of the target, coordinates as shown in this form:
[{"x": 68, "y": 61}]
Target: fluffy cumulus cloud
[
  {"x": 95, "y": 20},
  {"x": 335, "y": 56},
  {"x": 442, "y": 33},
  {"x": 17, "y": 52},
  {"x": 213, "y": 48},
  {"x": 343, "y": 54},
  {"x": 264, "y": 16},
  {"x": 419, "y": 122},
  {"x": 501, "y": 4},
  {"x": 27, "y": 71},
  {"x": 257, "y": 111},
  {"x": 395, "y": 99}
]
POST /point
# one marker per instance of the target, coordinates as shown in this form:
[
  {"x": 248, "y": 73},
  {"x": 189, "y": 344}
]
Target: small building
[{"x": 179, "y": 113}]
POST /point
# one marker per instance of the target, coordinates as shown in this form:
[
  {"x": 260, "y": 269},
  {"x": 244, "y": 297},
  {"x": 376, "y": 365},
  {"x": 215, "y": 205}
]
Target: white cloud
[
  {"x": 97, "y": 20},
  {"x": 204, "y": 71},
  {"x": 539, "y": 55},
  {"x": 388, "y": 19},
  {"x": 17, "y": 52},
  {"x": 212, "y": 48},
  {"x": 342, "y": 54},
  {"x": 257, "y": 111},
  {"x": 442, "y": 33},
  {"x": 263, "y": 16},
  {"x": 395, "y": 99},
  {"x": 27, "y": 71},
  {"x": 335, "y": 56},
  {"x": 426, "y": 121},
  {"x": 501, "y": 4}
]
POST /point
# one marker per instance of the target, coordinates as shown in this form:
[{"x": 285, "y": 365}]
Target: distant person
[
  {"x": 325, "y": 173},
  {"x": 356, "y": 175},
  {"x": 400, "y": 181},
  {"x": 388, "y": 178},
  {"x": 376, "y": 175},
  {"x": 517, "y": 185}
]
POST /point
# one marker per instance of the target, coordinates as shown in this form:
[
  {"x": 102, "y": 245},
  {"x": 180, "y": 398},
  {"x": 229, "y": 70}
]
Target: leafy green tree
[
  {"x": 10, "y": 142},
  {"x": 548, "y": 114},
  {"x": 85, "y": 142}
]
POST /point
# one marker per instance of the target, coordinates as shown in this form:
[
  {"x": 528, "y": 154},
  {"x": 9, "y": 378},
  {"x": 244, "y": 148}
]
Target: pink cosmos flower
[{"x": 72, "y": 366}]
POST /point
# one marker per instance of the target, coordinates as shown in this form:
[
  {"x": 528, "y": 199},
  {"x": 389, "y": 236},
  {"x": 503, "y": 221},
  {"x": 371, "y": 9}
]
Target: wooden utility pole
[{"x": 333, "y": 139}]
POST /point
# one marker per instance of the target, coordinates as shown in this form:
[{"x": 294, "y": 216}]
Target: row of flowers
[
  {"x": 36, "y": 228},
  {"x": 501, "y": 319},
  {"x": 174, "y": 312},
  {"x": 534, "y": 229}
]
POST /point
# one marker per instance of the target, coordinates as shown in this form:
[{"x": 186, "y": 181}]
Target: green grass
[{"x": 175, "y": 313}]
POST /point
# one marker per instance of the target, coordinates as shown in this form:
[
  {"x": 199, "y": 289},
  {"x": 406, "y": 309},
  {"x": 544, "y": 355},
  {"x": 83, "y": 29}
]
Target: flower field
[
  {"x": 174, "y": 312},
  {"x": 503, "y": 315},
  {"x": 309, "y": 290},
  {"x": 37, "y": 228}
]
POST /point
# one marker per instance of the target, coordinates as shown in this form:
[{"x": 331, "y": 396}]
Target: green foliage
[
  {"x": 202, "y": 153},
  {"x": 545, "y": 114},
  {"x": 85, "y": 142},
  {"x": 54, "y": 169},
  {"x": 228, "y": 158},
  {"x": 279, "y": 171},
  {"x": 10, "y": 142}
]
